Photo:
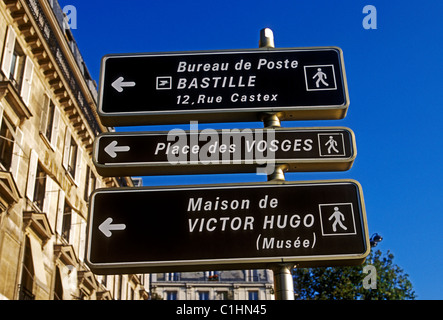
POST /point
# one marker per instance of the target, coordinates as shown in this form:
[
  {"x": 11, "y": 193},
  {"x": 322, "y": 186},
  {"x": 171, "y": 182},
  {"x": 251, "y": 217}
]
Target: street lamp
[{"x": 375, "y": 239}]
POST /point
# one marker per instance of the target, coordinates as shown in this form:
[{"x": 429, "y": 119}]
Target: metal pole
[
  {"x": 266, "y": 38},
  {"x": 283, "y": 283},
  {"x": 270, "y": 120}
]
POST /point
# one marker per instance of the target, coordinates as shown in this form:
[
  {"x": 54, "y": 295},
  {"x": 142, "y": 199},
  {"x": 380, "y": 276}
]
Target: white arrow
[
  {"x": 112, "y": 149},
  {"x": 119, "y": 84},
  {"x": 106, "y": 227}
]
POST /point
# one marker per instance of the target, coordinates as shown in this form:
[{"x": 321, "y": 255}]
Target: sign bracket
[{"x": 271, "y": 120}]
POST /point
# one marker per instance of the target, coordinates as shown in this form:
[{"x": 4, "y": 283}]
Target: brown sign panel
[
  {"x": 223, "y": 151},
  {"x": 220, "y": 227},
  {"x": 222, "y": 86}
]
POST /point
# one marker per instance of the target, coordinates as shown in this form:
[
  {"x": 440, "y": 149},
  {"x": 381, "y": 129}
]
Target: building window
[
  {"x": 49, "y": 124},
  {"x": 6, "y": 144},
  {"x": 222, "y": 295},
  {"x": 40, "y": 187},
  {"x": 58, "y": 287},
  {"x": 72, "y": 157},
  {"x": 50, "y": 107},
  {"x": 90, "y": 183},
  {"x": 27, "y": 281},
  {"x": 171, "y": 295},
  {"x": 33, "y": 270},
  {"x": 203, "y": 295},
  {"x": 253, "y": 295},
  {"x": 11, "y": 150},
  {"x": 252, "y": 275},
  {"x": 172, "y": 276},
  {"x": 212, "y": 275},
  {"x": 16, "y": 66},
  {"x": 67, "y": 222}
]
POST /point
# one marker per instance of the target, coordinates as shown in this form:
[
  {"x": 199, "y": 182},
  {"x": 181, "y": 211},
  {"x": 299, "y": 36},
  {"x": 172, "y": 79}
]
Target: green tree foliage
[{"x": 335, "y": 283}]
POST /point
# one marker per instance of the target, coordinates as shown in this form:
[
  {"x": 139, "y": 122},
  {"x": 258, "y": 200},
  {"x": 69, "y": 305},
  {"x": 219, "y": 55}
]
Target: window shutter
[
  {"x": 74, "y": 229},
  {"x": 9, "y": 50},
  {"x": 17, "y": 153},
  {"x": 55, "y": 127},
  {"x": 60, "y": 211},
  {"x": 48, "y": 195},
  {"x": 67, "y": 147},
  {"x": 38, "y": 261},
  {"x": 78, "y": 165},
  {"x": 32, "y": 171},
  {"x": 81, "y": 250},
  {"x": 44, "y": 114},
  {"x": 27, "y": 80}
]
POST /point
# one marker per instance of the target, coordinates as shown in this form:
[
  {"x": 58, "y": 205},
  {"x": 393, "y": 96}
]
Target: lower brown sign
[{"x": 220, "y": 227}]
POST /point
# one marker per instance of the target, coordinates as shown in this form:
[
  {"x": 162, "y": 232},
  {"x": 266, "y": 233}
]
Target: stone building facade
[
  {"x": 47, "y": 127},
  {"x": 48, "y": 123},
  {"x": 213, "y": 285}
]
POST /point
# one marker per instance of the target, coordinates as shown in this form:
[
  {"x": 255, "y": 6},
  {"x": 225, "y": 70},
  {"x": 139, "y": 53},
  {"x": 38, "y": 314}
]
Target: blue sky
[{"x": 395, "y": 80}]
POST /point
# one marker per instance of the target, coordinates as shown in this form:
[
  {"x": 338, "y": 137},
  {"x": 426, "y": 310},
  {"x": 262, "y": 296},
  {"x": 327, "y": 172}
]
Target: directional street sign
[
  {"x": 220, "y": 227},
  {"x": 222, "y": 86},
  {"x": 223, "y": 151}
]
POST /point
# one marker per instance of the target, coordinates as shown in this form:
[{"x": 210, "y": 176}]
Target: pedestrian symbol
[
  {"x": 320, "y": 77},
  {"x": 338, "y": 216},
  {"x": 337, "y": 219},
  {"x": 331, "y": 144}
]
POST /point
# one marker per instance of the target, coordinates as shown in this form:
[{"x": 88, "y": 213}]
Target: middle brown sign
[{"x": 224, "y": 151}]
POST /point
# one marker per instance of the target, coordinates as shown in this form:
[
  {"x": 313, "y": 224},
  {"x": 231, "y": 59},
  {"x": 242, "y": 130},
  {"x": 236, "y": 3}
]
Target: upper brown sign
[{"x": 222, "y": 86}]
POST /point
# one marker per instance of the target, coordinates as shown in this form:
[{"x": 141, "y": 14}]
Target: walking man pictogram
[
  {"x": 339, "y": 217},
  {"x": 321, "y": 78},
  {"x": 332, "y": 144}
]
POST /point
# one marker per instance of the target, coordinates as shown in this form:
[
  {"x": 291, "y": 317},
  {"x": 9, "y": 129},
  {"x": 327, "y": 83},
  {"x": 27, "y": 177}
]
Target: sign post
[
  {"x": 283, "y": 282},
  {"x": 279, "y": 224}
]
